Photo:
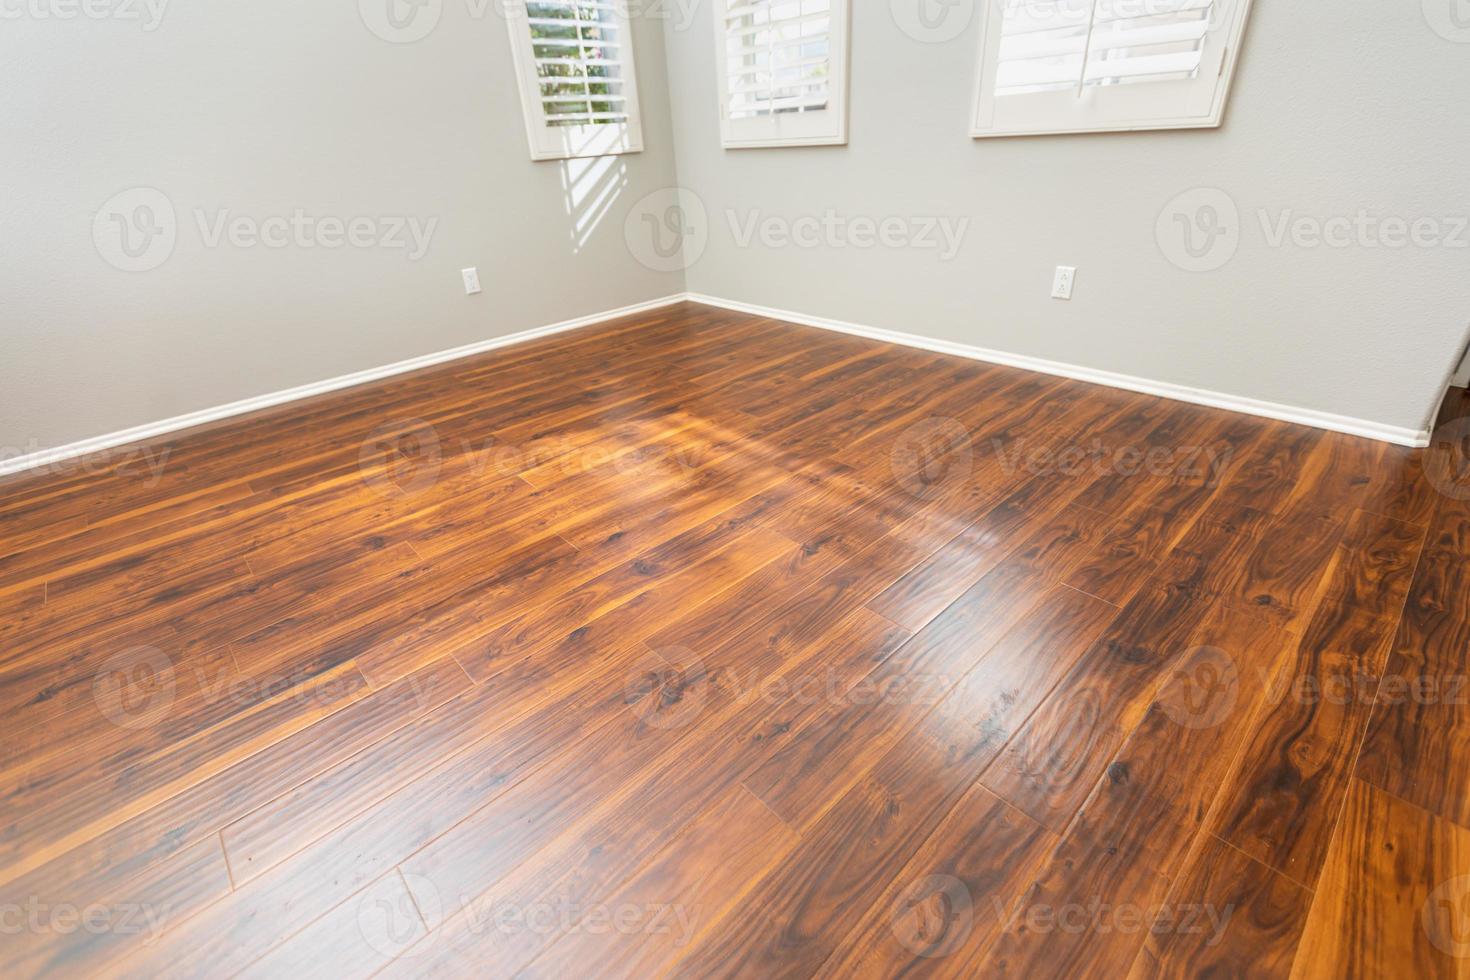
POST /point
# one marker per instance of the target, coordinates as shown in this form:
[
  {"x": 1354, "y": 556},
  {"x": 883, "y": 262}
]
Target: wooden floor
[{"x": 697, "y": 644}]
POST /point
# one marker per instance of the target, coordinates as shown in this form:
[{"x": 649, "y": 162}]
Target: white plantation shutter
[
  {"x": 783, "y": 71},
  {"x": 1086, "y": 65},
  {"x": 579, "y": 86}
]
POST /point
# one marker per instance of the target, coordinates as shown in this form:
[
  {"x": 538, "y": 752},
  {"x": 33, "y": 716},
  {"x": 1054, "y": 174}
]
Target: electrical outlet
[
  {"x": 471, "y": 281},
  {"x": 1061, "y": 287}
]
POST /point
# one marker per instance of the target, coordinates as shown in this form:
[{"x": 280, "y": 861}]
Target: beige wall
[
  {"x": 1368, "y": 116},
  {"x": 261, "y": 108}
]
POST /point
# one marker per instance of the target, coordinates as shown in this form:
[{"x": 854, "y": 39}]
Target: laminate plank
[
  {"x": 1281, "y": 579},
  {"x": 1226, "y": 916},
  {"x": 459, "y": 863},
  {"x": 474, "y": 784},
  {"x": 201, "y": 673},
  {"x": 798, "y": 913},
  {"x": 133, "y": 602},
  {"x": 14, "y": 606},
  {"x": 219, "y": 443},
  {"x": 1391, "y": 900},
  {"x": 1133, "y": 547},
  {"x": 814, "y": 768},
  {"x": 117, "y": 922},
  {"x": 1267, "y": 480},
  {"x": 143, "y": 698},
  {"x": 1433, "y": 624},
  {"x": 589, "y": 858},
  {"x": 286, "y": 899},
  {"x": 356, "y": 939},
  {"x": 599, "y": 653},
  {"x": 1298, "y": 763},
  {"x": 924, "y": 592},
  {"x": 107, "y": 793},
  {"x": 942, "y": 911},
  {"x": 695, "y": 877},
  {"x": 103, "y": 861},
  {"x": 1132, "y": 835},
  {"x": 1051, "y": 765},
  {"x": 1401, "y": 488},
  {"x": 1418, "y": 742}
]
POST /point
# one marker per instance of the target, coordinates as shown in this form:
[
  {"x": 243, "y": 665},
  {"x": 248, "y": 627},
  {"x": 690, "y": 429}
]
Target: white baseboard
[
  {"x": 1198, "y": 396},
  {"x": 153, "y": 430}
]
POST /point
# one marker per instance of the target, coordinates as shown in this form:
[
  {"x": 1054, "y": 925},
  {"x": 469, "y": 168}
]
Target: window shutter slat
[
  {"x": 778, "y": 57},
  {"x": 576, "y": 72},
  {"x": 579, "y": 57},
  {"x": 1044, "y": 43}
]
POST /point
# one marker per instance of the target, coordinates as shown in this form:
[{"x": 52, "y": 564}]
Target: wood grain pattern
[
  {"x": 1283, "y": 809},
  {"x": 1227, "y": 916},
  {"x": 1133, "y": 833},
  {"x": 1392, "y": 898},
  {"x": 700, "y": 644}
]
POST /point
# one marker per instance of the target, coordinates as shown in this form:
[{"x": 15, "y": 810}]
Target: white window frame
[
  {"x": 568, "y": 142},
  {"x": 1192, "y": 103},
  {"x": 827, "y": 127}
]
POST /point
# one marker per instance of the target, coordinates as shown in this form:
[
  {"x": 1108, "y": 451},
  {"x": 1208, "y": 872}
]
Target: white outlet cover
[
  {"x": 471, "y": 281},
  {"x": 1061, "y": 287}
]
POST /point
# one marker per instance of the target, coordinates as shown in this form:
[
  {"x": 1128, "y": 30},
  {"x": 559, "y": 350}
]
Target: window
[
  {"x": 783, "y": 71},
  {"x": 1079, "y": 66},
  {"x": 574, "y": 64}
]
